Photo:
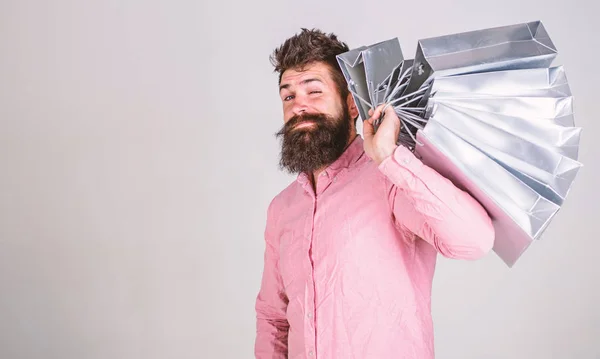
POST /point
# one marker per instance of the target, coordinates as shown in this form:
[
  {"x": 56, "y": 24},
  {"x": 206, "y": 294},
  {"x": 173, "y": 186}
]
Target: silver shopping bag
[
  {"x": 540, "y": 166},
  {"x": 527, "y": 82},
  {"x": 519, "y": 46},
  {"x": 367, "y": 69},
  {"x": 486, "y": 109},
  {"x": 560, "y": 137},
  {"x": 543, "y": 107},
  {"x": 519, "y": 214}
]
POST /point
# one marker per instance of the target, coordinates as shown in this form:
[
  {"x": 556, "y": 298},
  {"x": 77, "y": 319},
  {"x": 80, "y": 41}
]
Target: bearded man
[{"x": 351, "y": 244}]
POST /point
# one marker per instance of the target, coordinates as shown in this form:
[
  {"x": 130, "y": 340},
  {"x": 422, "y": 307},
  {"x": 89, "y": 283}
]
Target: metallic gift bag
[
  {"x": 544, "y": 107},
  {"x": 486, "y": 110},
  {"x": 560, "y": 137},
  {"x": 519, "y": 214},
  {"x": 366, "y": 68},
  {"x": 540, "y": 166},
  {"x": 520, "y": 46},
  {"x": 504, "y": 83}
]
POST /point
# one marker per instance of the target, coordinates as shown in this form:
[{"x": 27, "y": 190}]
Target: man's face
[
  {"x": 310, "y": 91},
  {"x": 317, "y": 122}
]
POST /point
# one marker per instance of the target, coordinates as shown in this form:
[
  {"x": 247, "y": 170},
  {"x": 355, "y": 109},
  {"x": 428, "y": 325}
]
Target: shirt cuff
[{"x": 401, "y": 165}]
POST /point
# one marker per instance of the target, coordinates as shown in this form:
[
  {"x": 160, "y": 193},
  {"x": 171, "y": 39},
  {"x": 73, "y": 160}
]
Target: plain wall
[{"x": 138, "y": 157}]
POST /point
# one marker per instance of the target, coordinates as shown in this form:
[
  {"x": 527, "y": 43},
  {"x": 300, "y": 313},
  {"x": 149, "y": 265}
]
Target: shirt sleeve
[
  {"x": 434, "y": 209},
  {"x": 271, "y": 303}
]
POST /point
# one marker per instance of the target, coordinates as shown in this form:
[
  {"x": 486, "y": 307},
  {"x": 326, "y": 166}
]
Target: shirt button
[
  {"x": 310, "y": 353},
  {"x": 309, "y": 315}
]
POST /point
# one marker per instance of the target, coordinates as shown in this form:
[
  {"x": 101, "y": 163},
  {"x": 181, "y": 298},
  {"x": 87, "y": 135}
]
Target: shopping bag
[
  {"x": 520, "y": 46},
  {"x": 519, "y": 214},
  {"x": 488, "y": 110},
  {"x": 367, "y": 68},
  {"x": 541, "y": 167}
]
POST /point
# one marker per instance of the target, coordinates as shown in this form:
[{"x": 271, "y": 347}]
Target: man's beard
[{"x": 315, "y": 146}]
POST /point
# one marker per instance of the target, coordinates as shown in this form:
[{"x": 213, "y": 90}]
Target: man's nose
[{"x": 300, "y": 105}]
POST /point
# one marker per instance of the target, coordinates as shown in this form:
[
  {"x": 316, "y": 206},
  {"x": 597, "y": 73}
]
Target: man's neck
[{"x": 315, "y": 175}]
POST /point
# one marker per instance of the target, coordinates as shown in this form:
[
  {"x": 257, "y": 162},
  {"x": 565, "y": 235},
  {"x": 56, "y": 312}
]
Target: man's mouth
[{"x": 304, "y": 124}]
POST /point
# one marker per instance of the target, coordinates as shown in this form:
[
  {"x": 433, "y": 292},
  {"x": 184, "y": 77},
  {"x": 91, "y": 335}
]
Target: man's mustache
[{"x": 300, "y": 119}]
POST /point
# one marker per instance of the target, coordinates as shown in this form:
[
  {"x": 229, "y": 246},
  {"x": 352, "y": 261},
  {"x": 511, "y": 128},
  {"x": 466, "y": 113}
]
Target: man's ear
[{"x": 352, "y": 109}]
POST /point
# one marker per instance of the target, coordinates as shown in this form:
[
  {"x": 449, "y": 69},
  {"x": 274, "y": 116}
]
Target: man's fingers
[
  {"x": 368, "y": 128},
  {"x": 390, "y": 111},
  {"x": 376, "y": 113}
]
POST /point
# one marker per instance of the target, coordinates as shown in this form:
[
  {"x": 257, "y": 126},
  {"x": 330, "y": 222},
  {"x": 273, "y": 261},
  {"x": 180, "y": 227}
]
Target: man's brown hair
[{"x": 310, "y": 46}]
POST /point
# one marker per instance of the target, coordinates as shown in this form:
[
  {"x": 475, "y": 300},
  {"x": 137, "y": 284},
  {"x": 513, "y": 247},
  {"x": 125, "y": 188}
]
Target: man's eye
[
  {"x": 315, "y": 92},
  {"x": 288, "y": 98}
]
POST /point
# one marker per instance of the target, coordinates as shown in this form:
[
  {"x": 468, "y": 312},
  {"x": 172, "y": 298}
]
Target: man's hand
[{"x": 378, "y": 146}]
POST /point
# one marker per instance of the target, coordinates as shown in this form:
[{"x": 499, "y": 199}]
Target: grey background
[{"x": 137, "y": 159}]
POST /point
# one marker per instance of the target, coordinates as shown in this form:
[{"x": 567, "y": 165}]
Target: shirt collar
[{"x": 351, "y": 154}]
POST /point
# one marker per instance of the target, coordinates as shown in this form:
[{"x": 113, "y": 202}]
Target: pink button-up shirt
[{"x": 349, "y": 267}]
